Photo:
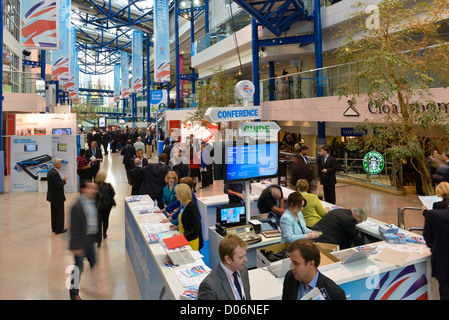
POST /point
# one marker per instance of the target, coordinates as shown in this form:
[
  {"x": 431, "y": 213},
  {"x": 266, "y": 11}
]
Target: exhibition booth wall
[{"x": 33, "y": 141}]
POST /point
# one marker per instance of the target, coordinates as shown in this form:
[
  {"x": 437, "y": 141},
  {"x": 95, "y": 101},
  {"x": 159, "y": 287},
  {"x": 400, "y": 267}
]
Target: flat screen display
[
  {"x": 30, "y": 147},
  {"x": 64, "y": 131},
  {"x": 230, "y": 215},
  {"x": 102, "y": 122},
  {"x": 251, "y": 161},
  {"x": 62, "y": 147}
]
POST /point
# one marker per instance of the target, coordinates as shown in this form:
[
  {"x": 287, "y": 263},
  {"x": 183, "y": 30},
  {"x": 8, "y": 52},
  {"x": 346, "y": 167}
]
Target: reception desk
[
  {"x": 369, "y": 279},
  {"x": 207, "y": 206},
  {"x": 156, "y": 281}
]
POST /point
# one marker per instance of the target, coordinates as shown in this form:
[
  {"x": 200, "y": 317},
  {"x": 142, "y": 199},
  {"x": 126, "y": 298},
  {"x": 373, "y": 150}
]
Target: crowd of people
[{"x": 171, "y": 183}]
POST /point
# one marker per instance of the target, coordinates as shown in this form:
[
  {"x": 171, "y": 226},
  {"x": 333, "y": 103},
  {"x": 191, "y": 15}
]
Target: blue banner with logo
[
  {"x": 60, "y": 57},
  {"x": 116, "y": 83},
  {"x": 137, "y": 62},
  {"x": 161, "y": 41},
  {"x": 71, "y": 83},
  {"x": 158, "y": 100},
  {"x": 124, "y": 67}
]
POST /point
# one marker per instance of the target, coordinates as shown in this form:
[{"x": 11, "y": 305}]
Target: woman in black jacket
[{"x": 189, "y": 221}]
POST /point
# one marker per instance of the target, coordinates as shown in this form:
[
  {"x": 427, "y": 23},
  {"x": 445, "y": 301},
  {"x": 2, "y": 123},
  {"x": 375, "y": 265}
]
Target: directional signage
[
  {"x": 258, "y": 129},
  {"x": 232, "y": 114}
]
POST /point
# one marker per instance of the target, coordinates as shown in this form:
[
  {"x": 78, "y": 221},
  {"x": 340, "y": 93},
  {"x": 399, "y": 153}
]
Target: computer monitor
[
  {"x": 251, "y": 161},
  {"x": 231, "y": 215},
  {"x": 64, "y": 131}
]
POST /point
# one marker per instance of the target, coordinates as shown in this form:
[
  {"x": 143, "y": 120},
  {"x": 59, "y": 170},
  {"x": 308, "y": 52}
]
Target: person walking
[
  {"x": 105, "y": 201},
  {"x": 83, "y": 233}
]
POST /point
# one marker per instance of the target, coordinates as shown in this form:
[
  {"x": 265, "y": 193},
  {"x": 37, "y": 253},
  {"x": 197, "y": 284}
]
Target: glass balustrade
[
  {"x": 304, "y": 84},
  {"x": 23, "y": 82}
]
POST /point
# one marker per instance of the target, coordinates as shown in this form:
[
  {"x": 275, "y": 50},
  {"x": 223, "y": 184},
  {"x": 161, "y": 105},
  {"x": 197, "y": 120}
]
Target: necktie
[{"x": 237, "y": 285}]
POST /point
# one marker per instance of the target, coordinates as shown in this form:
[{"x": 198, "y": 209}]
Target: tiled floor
[{"x": 33, "y": 260}]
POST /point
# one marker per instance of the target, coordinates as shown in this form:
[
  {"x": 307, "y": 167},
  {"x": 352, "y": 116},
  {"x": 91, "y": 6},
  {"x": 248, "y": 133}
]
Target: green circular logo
[{"x": 373, "y": 162}]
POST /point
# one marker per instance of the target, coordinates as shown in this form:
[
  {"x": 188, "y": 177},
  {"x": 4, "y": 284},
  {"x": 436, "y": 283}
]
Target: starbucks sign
[{"x": 373, "y": 162}]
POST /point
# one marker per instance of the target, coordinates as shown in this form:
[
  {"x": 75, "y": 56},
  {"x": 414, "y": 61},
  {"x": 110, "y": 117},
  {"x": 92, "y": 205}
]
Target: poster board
[{"x": 31, "y": 157}]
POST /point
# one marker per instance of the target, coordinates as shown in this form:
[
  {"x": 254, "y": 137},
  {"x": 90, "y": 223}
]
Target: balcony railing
[
  {"x": 23, "y": 82},
  {"x": 304, "y": 84}
]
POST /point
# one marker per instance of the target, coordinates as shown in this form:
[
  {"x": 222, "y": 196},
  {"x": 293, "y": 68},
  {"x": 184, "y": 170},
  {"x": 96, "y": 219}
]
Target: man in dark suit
[
  {"x": 339, "y": 227},
  {"x": 83, "y": 232},
  {"x": 56, "y": 197},
  {"x": 436, "y": 235},
  {"x": 303, "y": 151},
  {"x": 229, "y": 280},
  {"x": 94, "y": 157},
  {"x": 300, "y": 170},
  {"x": 304, "y": 274},
  {"x": 136, "y": 177},
  {"x": 128, "y": 152},
  {"x": 154, "y": 179},
  {"x": 327, "y": 168}
]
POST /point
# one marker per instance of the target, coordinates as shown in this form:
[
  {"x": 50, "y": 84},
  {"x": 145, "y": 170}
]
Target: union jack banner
[{"x": 39, "y": 24}]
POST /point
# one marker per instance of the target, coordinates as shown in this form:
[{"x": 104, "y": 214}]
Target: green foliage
[
  {"x": 219, "y": 91},
  {"x": 84, "y": 112},
  {"x": 397, "y": 59}
]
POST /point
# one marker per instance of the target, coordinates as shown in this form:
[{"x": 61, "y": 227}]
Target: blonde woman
[
  {"x": 313, "y": 211},
  {"x": 105, "y": 201},
  {"x": 189, "y": 221},
  {"x": 442, "y": 191}
]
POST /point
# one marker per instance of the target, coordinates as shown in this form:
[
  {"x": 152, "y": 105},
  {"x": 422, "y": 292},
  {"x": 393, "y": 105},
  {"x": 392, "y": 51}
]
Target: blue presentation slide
[{"x": 251, "y": 161}]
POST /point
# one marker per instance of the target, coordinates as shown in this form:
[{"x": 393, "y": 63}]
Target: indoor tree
[
  {"x": 218, "y": 91},
  {"x": 397, "y": 52}
]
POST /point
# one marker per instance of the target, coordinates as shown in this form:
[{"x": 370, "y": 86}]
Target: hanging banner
[
  {"x": 124, "y": 66},
  {"x": 60, "y": 57},
  {"x": 71, "y": 87},
  {"x": 39, "y": 24},
  {"x": 137, "y": 62},
  {"x": 77, "y": 78},
  {"x": 116, "y": 83},
  {"x": 161, "y": 41},
  {"x": 158, "y": 100}
]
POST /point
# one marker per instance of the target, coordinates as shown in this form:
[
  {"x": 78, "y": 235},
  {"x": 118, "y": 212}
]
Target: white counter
[
  {"x": 156, "y": 281},
  {"x": 207, "y": 206},
  {"x": 368, "y": 279}
]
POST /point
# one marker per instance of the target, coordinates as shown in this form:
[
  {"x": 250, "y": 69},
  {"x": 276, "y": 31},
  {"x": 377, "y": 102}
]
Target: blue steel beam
[{"x": 275, "y": 15}]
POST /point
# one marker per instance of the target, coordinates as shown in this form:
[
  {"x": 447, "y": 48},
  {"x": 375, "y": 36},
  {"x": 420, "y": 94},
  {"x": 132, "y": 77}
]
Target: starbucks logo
[{"x": 373, "y": 162}]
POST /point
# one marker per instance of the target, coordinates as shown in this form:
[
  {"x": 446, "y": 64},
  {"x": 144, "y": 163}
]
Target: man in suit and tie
[
  {"x": 136, "y": 177},
  {"x": 301, "y": 168},
  {"x": 327, "y": 168},
  {"x": 154, "y": 179},
  {"x": 303, "y": 151},
  {"x": 229, "y": 280},
  {"x": 94, "y": 157},
  {"x": 304, "y": 275},
  {"x": 56, "y": 197}
]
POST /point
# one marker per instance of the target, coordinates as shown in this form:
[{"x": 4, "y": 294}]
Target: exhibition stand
[{"x": 34, "y": 140}]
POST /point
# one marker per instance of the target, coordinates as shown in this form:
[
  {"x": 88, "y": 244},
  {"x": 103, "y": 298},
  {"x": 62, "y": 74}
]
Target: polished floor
[{"x": 33, "y": 260}]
